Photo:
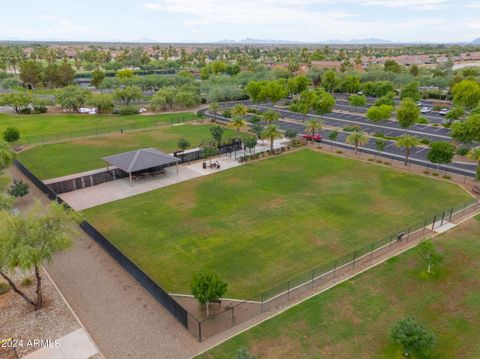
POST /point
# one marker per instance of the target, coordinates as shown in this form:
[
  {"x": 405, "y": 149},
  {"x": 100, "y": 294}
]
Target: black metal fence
[{"x": 156, "y": 291}]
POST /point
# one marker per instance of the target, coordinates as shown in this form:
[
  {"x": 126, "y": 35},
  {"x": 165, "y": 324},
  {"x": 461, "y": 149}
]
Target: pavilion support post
[
  {"x": 130, "y": 176},
  {"x": 176, "y": 163}
]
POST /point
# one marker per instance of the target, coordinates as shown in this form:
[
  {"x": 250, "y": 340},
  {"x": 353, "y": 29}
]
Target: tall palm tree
[
  {"x": 357, "y": 138},
  {"x": 237, "y": 123},
  {"x": 214, "y": 107},
  {"x": 271, "y": 116},
  {"x": 474, "y": 154},
  {"x": 239, "y": 110},
  {"x": 271, "y": 132},
  {"x": 408, "y": 142},
  {"x": 312, "y": 127}
]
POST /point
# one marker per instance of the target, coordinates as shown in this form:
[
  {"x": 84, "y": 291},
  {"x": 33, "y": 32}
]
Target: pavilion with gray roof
[{"x": 144, "y": 159}]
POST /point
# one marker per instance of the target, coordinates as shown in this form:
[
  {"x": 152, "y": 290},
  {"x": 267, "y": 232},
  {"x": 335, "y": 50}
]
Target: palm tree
[
  {"x": 312, "y": 127},
  {"x": 409, "y": 142},
  {"x": 239, "y": 110},
  {"x": 357, "y": 138},
  {"x": 271, "y": 132},
  {"x": 474, "y": 154},
  {"x": 237, "y": 123},
  {"x": 214, "y": 107},
  {"x": 271, "y": 116}
]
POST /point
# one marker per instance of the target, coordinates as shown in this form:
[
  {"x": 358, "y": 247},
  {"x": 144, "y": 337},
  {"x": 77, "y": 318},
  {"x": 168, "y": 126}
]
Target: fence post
[
  {"x": 354, "y": 257},
  {"x": 424, "y": 227},
  {"x": 391, "y": 239},
  {"x": 433, "y": 223},
  {"x": 408, "y": 233},
  {"x": 371, "y": 253},
  {"x": 451, "y": 213},
  {"x": 313, "y": 276},
  {"x": 288, "y": 292},
  {"x": 199, "y": 331},
  {"x": 443, "y": 217},
  {"x": 261, "y": 308}
]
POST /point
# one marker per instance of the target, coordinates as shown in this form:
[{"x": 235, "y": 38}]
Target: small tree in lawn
[
  {"x": 429, "y": 254},
  {"x": 332, "y": 136},
  {"x": 407, "y": 113},
  {"x": 207, "y": 288},
  {"x": 217, "y": 133},
  {"x": 29, "y": 241},
  {"x": 209, "y": 152},
  {"x": 408, "y": 142},
  {"x": 11, "y": 134},
  {"x": 18, "y": 189},
  {"x": 441, "y": 153},
  {"x": 380, "y": 146},
  {"x": 183, "y": 144},
  {"x": 412, "y": 336}
]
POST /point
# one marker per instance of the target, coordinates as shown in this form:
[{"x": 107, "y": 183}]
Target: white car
[
  {"x": 443, "y": 111},
  {"x": 425, "y": 109}
]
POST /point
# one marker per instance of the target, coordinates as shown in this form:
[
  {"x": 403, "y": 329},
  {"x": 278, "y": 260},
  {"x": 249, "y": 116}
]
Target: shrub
[
  {"x": 4, "y": 288},
  {"x": 11, "y": 134},
  {"x": 462, "y": 151},
  {"x": 27, "y": 281},
  {"x": 40, "y": 109},
  {"x": 351, "y": 128},
  {"x": 227, "y": 114},
  {"x": 371, "y": 160},
  {"x": 339, "y": 152},
  {"x": 379, "y": 161},
  {"x": 422, "y": 120},
  {"x": 435, "y": 174},
  {"x": 426, "y": 172},
  {"x": 425, "y": 141},
  {"x": 436, "y": 125},
  {"x": 447, "y": 177},
  {"x": 25, "y": 111},
  {"x": 128, "y": 110},
  {"x": 386, "y": 163}
]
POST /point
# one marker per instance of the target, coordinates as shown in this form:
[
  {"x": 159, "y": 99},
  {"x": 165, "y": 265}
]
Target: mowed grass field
[
  {"x": 35, "y": 127},
  {"x": 353, "y": 319},
  {"x": 60, "y": 159},
  {"x": 263, "y": 223}
]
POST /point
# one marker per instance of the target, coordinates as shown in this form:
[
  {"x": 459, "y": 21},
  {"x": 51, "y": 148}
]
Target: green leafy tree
[
  {"x": 291, "y": 134},
  {"x": 73, "y": 97},
  {"x": 257, "y": 129},
  {"x": 271, "y": 132},
  {"x": 250, "y": 143},
  {"x": 271, "y": 116},
  {"x": 187, "y": 99},
  {"x": 128, "y": 94},
  {"x": 408, "y": 113},
  {"x": 411, "y": 90},
  {"x": 330, "y": 80},
  {"x": 387, "y": 99},
  {"x": 415, "y": 71},
  {"x": 412, "y": 336},
  {"x": 379, "y": 114},
  {"x": 357, "y": 138},
  {"x": 31, "y": 73},
  {"x": 474, "y": 154},
  {"x": 254, "y": 90},
  {"x": 324, "y": 103},
  {"x": 65, "y": 74},
  {"x": 429, "y": 254},
  {"x": 11, "y": 134},
  {"x": 392, "y": 66},
  {"x": 209, "y": 152},
  {"x": 214, "y": 107},
  {"x": 408, "y": 142},
  {"x": 97, "y": 78},
  {"x": 18, "y": 189},
  {"x": 102, "y": 102},
  {"x": 274, "y": 91},
  {"x": 468, "y": 130},
  {"x": 125, "y": 74},
  {"x": 380, "y": 145},
  {"x": 357, "y": 100},
  {"x": 441, "y": 153},
  {"x": 332, "y": 136},
  {"x": 207, "y": 288},
  {"x": 29, "y": 241},
  {"x": 18, "y": 101},
  {"x": 466, "y": 93},
  {"x": 217, "y": 134},
  {"x": 455, "y": 113},
  {"x": 183, "y": 144}
]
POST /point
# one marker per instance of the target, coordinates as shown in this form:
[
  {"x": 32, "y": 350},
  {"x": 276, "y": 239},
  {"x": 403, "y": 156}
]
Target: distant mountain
[
  {"x": 257, "y": 41},
  {"x": 368, "y": 41},
  {"x": 476, "y": 41}
]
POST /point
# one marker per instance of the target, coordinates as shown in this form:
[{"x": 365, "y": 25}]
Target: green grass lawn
[
  {"x": 263, "y": 223},
  {"x": 46, "y": 127},
  {"x": 60, "y": 159},
  {"x": 352, "y": 320}
]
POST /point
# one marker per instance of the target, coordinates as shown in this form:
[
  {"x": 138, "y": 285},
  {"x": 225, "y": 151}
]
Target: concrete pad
[
  {"x": 76, "y": 345},
  {"x": 441, "y": 228}
]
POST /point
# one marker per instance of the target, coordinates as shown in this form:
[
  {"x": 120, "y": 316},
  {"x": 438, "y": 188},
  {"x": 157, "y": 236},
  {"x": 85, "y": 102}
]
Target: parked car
[
  {"x": 316, "y": 138},
  {"x": 443, "y": 111},
  {"x": 426, "y": 109}
]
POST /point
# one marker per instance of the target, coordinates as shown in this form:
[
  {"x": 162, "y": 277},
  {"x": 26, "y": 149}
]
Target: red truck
[{"x": 316, "y": 137}]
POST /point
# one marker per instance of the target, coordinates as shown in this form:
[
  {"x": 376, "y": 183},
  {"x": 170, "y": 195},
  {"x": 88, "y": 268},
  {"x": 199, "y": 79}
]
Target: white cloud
[{"x": 408, "y": 4}]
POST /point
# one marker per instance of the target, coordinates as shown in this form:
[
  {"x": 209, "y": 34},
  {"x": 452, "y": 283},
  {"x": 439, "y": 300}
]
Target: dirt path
[{"x": 122, "y": 318}]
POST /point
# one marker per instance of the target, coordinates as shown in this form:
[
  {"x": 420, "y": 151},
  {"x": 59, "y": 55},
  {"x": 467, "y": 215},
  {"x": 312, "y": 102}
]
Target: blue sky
[{"x": 212, "y": 20}]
